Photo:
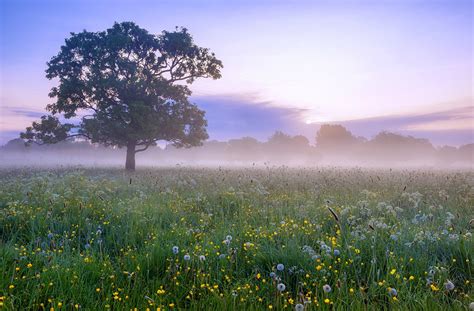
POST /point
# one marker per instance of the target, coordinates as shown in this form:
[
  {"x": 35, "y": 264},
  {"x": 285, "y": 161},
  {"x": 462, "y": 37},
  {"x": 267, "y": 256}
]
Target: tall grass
[{"x": 103, "y": 239}]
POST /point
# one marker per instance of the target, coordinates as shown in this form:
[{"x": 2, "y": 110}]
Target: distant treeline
[{"x": 333, "y": 145}]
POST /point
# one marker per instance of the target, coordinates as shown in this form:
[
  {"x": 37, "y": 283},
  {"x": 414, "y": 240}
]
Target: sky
[{"x": 404, "y": 66}]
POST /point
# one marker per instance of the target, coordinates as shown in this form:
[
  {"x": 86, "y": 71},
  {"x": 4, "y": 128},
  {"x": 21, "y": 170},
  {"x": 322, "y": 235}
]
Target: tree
[
  {"x": 129, "y": 88},
  {"x": 334, "y": 137},
  {"x": 391, "y": 146}
]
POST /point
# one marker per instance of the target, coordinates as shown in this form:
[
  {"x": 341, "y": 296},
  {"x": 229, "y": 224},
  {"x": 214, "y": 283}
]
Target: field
[{"x": 239, "y": 239}]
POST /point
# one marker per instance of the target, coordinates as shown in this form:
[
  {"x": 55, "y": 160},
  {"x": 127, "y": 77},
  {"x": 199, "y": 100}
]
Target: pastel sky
[{"x": 399, "y": 65}]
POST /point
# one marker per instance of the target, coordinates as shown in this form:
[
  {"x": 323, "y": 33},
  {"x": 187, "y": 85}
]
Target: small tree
[{"x": 129, "y": 88}]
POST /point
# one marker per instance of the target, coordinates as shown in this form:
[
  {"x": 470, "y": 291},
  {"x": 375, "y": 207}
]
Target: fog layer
[{"x": 333, "y": 145}]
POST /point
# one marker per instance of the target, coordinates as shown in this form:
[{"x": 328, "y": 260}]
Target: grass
[{"x": 103, "y": 239}]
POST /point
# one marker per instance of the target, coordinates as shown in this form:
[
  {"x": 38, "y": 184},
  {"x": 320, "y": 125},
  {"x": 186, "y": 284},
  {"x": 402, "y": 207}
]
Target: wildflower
[
  {"x": 393, "y": 292},
  {"x": 299, "y": 307},
  {"x": 175, "y": 250},
  {"x": 327, "y": 288},
  {"x": 50, "y": 235},
  {"x": 272, "y": 275},
  {"x": 411, "y": 278},
  {"x": 202, "y": 258},
  {"x": 187, "y": 257},
  {"x": 281, "y": 287},
  {"x": 337, "y": 252},
  {"x": 471, "y": 306},
  {"x": 434, "y": 288},
  {"x": 29, "y": 265},
  {"x": 327, "y": 301},
  {"x": 280, "y": 267},
  {"x": 449, "y": 285},
  {"x": 11, "y": 286},
  {"x": 228, "y": 238}
]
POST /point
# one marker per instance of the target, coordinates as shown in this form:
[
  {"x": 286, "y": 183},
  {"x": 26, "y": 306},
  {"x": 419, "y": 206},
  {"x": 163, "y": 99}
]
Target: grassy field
[{"x": 238, "y": 239}]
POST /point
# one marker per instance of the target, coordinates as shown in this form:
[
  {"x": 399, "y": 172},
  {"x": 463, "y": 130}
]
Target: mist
[{"x": 333, "y": 146}]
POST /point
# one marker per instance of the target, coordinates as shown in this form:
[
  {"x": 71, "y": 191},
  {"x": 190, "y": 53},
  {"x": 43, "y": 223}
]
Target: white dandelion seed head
[
  {"x": 449, "y": 285},
  {"x": 228, "y": 238},
  {"x": 280, "y": 267},
  {"x": 299, "y": 307},
  {"x": 327, "y": 288},
  {"x": 202, "y": 258},
  {"x": 393, "y": 292},
  {"x": 187, "y": 257},
  {"x": 281, "y": 287},
  {"x": 337, "y": 252},
  {"x": 175, "y": 250}
]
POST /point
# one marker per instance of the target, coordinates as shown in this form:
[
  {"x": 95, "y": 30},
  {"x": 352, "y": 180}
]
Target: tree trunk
[{"x": 130, "y": 162}]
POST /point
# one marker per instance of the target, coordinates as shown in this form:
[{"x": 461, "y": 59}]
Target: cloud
[
  {"x": 34, "y": 114},
  {"x": 450, "y": 126},
  {"x": 232, "y": 115}
]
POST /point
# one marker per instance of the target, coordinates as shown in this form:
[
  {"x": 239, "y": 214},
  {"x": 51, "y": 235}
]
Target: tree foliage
[{"x": 128, "y": 87}]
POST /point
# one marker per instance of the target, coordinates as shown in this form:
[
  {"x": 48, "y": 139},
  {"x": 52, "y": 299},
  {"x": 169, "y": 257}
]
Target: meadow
[{"x": 236, "y": 239}]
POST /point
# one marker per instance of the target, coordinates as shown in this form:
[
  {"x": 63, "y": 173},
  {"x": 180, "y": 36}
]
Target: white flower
[
  {"x": 272, "y": 274},
  {"x": 471, "y": 306},
  {"x": 327, "y": 288},
  {"x": 449, "y": 285},
  {"x": 202, "y": 258},
  {"x": 228, "y": 238},
  {"x": 393, "y": 292},
  {"x": 281, "y": 287},
  {"x": 187, "y": 257},
  {"x": 337, "y": 252},
  {"x": 299, "y": 307},
  {"x": 175, "y": 250},
  {"x": 280, "y": 267}
]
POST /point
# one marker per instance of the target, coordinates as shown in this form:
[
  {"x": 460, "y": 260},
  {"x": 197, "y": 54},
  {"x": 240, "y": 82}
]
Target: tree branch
[{"x": 144, "y": 148}]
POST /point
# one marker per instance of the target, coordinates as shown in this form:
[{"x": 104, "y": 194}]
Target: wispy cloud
[
  {"x": 25, "y": 112},
  {"x": 234, "y": 115},
  {"x": 449, "y": 126}
]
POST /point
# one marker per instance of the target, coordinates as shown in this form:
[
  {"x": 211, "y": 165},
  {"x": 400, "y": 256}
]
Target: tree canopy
[{"x": 129, "y": 88}]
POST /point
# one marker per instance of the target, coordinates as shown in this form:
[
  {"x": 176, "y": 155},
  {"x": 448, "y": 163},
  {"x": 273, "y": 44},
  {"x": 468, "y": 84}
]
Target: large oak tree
[{"x": 128, "y": 88}]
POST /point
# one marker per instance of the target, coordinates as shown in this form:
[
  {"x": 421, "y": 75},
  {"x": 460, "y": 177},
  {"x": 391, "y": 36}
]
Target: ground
[{"x": 244, "y": 239}]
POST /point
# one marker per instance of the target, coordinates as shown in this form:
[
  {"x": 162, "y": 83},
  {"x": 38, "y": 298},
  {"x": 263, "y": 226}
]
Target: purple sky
[{"x": 403, "y": 66}]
